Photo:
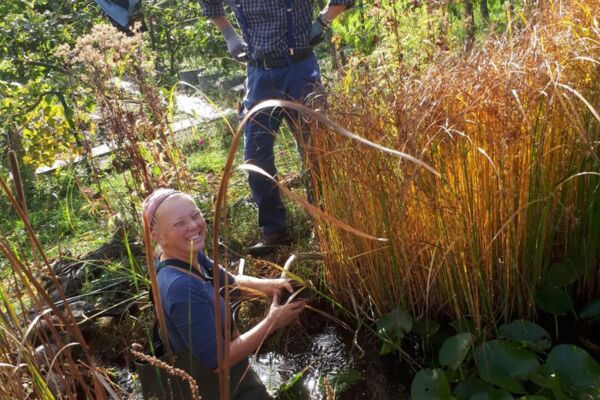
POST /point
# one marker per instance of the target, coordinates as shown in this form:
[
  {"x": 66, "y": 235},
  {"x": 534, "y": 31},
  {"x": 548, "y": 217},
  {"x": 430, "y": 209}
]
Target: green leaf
[
  {"x": 504, "y": 363},
  {"x": 576, "y": 370},
  {"x": 455, "y": 349},
  {"x": 547, "y": 379},
  {"x": 493, "y": 394},
  {"x": 471, "y": 386},
  {"x": 343, "y": 379},
  {"x": 387, "y": 348},
  {"x": 553, "y": 300},
  {"x": 533, "y": 398},
  {"x": 425, "y": 327},
  {"x": 562, "y": 274},
  {"x": 430, "y": 384},
  {"x": 395, "y": 324},
  {"x": 526, "y": 331},
  {"x": 591, "y": 311}
]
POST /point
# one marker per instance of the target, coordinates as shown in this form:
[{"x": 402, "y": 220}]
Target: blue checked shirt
[{"x": 267, "y": 28}]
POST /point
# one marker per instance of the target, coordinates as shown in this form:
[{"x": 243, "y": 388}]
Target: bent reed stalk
[{"x": 513, "y": 128}]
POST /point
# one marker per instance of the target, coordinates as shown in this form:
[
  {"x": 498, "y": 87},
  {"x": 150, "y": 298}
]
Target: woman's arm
[
  {"x": 189, "y": 308},
  {"x": 270, "y": 287}
]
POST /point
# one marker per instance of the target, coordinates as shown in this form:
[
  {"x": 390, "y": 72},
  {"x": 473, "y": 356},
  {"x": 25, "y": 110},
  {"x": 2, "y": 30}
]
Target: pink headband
[{"x": 155, "y": 199}]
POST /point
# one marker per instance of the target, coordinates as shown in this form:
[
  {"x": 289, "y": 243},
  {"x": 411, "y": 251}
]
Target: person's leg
[
  {"x": 259, "y": 136},
  {"x": 259, "y": 139}
]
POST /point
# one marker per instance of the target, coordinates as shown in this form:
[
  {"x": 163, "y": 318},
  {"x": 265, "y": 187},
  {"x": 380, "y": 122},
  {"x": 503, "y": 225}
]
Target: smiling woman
[{"x": 184, "y": 279}]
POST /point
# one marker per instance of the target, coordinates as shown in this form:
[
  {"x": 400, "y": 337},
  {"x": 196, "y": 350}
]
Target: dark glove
[
  {"x": 317, "y": 31},
  {"x": 235, "y": 45}
]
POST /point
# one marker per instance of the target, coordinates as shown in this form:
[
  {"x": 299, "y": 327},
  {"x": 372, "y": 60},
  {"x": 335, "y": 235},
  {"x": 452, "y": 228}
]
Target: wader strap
[
  {"x": 244, "y": 26},
  {"x": 289, "y": 7}
]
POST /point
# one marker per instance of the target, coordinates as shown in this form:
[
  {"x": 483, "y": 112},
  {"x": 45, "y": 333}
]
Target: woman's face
[{"x": 179, "y": 225}]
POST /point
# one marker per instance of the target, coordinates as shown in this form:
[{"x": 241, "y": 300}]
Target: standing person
[
  {"x": 278, "y": 36},
  {"x": 184, "y": 278}
]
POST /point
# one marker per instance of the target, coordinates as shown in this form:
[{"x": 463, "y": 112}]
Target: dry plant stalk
[
  {"x": 512, "y": 128},
  {"x": 136, "y": 350},
  {"x": 118, "y": 71}
]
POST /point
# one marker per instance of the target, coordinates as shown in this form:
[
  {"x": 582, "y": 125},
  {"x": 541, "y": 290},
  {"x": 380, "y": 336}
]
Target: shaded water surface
[{"x": 328, "y": 353}]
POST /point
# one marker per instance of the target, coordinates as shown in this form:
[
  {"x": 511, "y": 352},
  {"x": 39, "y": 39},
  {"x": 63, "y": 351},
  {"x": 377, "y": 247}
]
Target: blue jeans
[{"x": 294, "y": 82}]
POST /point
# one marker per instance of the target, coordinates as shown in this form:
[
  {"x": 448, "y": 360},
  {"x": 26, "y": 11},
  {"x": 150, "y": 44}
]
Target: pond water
[{"x": 326, "y": 352}]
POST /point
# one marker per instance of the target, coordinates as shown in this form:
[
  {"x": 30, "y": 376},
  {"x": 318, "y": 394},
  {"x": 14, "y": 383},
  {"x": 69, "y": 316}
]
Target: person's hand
[
  {"x": 282, "y": 315},
  {"x": 235, "y": 45},
  {"x": 273, "y": 287},
  {"x": 317, "y": 31}
]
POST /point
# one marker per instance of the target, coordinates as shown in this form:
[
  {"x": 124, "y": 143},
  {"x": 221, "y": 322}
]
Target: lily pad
[
  {"x": 493, "y": 394},
  {"x": 526, "y": 331},
  {"x": 425, "y": 327},
  {"x": 562, "y": 274},
  {"x": 546, "y": 378},
  {"x": 471, "y": 386},
  {"x": 504, "y": 364},
  {"x": 553, "y": 300},
  {"x": 577, "y": 371},
  {"x": 455, "y": 349},
  {"x": 430, "y": 384},
  {"x": 395, "y": 324}
]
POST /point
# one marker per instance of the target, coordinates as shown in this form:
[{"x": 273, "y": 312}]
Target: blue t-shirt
[{"x": 188, "y": 305}]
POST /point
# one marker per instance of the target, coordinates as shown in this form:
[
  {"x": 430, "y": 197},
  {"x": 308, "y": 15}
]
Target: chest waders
[{"x": 158, "y": 384}]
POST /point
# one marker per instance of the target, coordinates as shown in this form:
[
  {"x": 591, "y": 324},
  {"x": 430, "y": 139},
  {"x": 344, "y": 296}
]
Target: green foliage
[
  {"x": 30, "y": 31},
  {"x": 521, "y": 362},
  {"x": 564, "y": 273},
  {"x": 393, "y": 326},
  {"x": 455, "y": 349},
  {"x": 553, "y": 300},
  {"x": 49, "y": 131},
  {"x": 505, "y": 364},
  {"x": 179, "y": 35},
  {"x": 425, "y": 327},
  {"x": 357, "y": 30},
  {"x": 342, "y": 379},
  {"x": 430, "y": 384},
  {"x": 578, "y": 373},
  {"x": 526, "y": 332}
]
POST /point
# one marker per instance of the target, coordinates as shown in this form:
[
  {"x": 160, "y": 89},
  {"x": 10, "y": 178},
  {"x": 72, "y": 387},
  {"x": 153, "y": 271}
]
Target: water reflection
[{"x": 326, "y": 353}]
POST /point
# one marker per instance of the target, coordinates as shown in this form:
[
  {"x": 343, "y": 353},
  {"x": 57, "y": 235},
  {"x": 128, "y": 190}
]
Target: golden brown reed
[
  {"x": 512, "y": 127},
  {"x": 137, "y": 350}
]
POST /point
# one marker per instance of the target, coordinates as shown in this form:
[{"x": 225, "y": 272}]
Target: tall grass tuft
[
  {"x": 513, "y": 129},
  {"x": 42, "y": 350}
]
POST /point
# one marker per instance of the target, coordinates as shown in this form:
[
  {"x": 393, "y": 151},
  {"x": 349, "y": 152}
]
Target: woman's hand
[{"x": 282, "y": 315}]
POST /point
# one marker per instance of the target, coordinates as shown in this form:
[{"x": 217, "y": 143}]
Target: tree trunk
[
  {"x": 469, "y": 24},
  {"x": 485, "y": 12}
]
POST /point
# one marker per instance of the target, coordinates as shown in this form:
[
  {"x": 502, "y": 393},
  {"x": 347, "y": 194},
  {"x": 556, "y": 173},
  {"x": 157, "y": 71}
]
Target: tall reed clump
[
  {"x": 513, "y": 129},
  {"x": 117, "y": 70},
  {"x": 43, "y": 353}
]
